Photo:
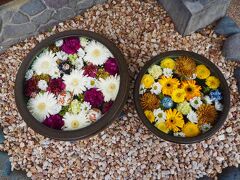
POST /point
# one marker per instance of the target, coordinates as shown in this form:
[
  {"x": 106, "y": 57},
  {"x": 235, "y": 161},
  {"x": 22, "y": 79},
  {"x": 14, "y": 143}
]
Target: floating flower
[
  {"x": 216, "y": 95},
  {"x": 192, "y": 116},
  {"x": 149, "y": 101},
  {"x": 212, "y": 82},
  {"x": 192, "y": 90},
  {"x": 75, "y": 82},
  {"x": 168, "y": 85},
  {"x": 94, "y": 114},
  {"x": 167, "y": 102},
  {"x": 56, "y": 86},
  {"x": 179, "y": 134},
  {"x": 73, "y": 58},
  {"x": 70, "y": 45},
  {"x": 59, "y": 43},
  {"x": 75, "y": 121},
  {"x": 178, "y": 95},
  {"x": 206, "y": 114},
  {"x": 79, "y": 63},
  {"x": 184, "y": 108},
  {"x": 142, "y": 89},
  {"x": 168, "y": 63},
  {"x": 54, "y": 121},
  {"x": 43, "y": 105},
  {"x": 207, "y": 99},
  {"x": 94, "y": 97},
  {"x": 91, "y": 82},
  {"x": 191, "y": 130},
  {"x": 109, "y": 87},
  {"x": 42, "y": 84},
  {"x": 155, "y": 71},
  {"x": 185, "y": 66},
  {"x": 196, "y": 102},
  {"x": 64, "y": 98},
  {"x": 81, "y": 53},
  {"x": 75, "y": 107},
  {"x": 167, "y": 72},
  {"x": 29, "y": 74},
  {"x": 156, "y": 88},
  {"x": 162, "y": 126},
  {"x": 85, "y": 106},
  {"x": 62, "y": 55},
  {"x": 174, "y": 120},
  {"x": 218, "y": 106},
  {"x": 46, "y": 64},
  {"x": 205, "y": 127},
  {"x": 96, "y": 53},
  {"x": 159, "y": 114},
  {"x": 31, "y": 86},
  {"x": 106, "y": 106},
  {"x": 102, "y": 74},
  {"x": 111, "y": 66},
  {"x": 65, "y": 67},
  {"x": 150, "y": 116},
  {"x": 90, "y": 70},
  {"x": 84, "y": 41},
  {"x": 147, "y": 80},
  {"x": 202, "y": 72}
]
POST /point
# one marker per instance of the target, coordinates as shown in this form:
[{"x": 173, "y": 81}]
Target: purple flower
[
  {"x": 31, "y": 87},
  {"x": 107, "y": 106},
  {"x": 71, "y": 45},
  {"x": 56, "y": 86},
  {"x": 94, "y": 97},
  {"x": 111, "y": 66},
  {"x": 54, "y": 121},
  {"x": 90, "y": 70}
]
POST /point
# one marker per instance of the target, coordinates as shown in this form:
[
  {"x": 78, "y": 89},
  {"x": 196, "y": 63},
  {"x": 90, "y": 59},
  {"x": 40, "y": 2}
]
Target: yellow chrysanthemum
[
  {"x": 185, "y": 66},
  {"x": 178, "y": 95},
  {"x": 174, "y": 120},
  {"x": 202, "y": 72},
  {"x": 192, "y": 90},
  {"x": 147, "y": 80},
  {"x": 168, "y": 63},
  {"x": 168, "y": 85},
  {"x": 149, "y": 115},
  {"x": 161, "y": 125},
  {"x": 190, "y": 129},
  {"x": 212, "y": 82}
]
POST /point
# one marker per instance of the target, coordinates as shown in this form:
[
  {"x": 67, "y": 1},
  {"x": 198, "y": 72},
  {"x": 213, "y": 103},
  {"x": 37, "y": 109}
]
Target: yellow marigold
[
  {"x": 174, "y": 120},
  {"x": 192, "y": 90},
  {"x": 185, "y": 66},
  {"x": 212, "y": 82},
  {"x": 191, "y": 130},
  {"x": 161, "y": 125},
  {"x": 147, "y": 80},
  {"x": 149, "y": 115},
  {"x": 178, "y": 95},
  {"x": 168, "y": 63},
  {"x": 202, "y": 72},
  {"x": 149, "y": 101},
  {"x": 207, "y": 114},
  {"x": 168, "y": 85}
]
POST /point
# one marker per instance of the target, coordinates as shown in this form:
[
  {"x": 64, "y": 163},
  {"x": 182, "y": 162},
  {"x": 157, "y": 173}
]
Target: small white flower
[
  {"x": 91, "y": 82},
  {"x": 207, "y": 99},
  {"x": 62, "y": 55},
  {"x": 84, "y": 41},
  {"x": 218, "y": 106},
  {"x": 159, "y": 114},
  {"x": 79, "y": 63},
  {"x": 29, "y": 74},
  {"x": 167, "y": 72},
  {"x": 59, "y": 43},
  {"x": 85, "y": 106},
  {"x": 205, "y": 127},
  {"x": 179, "y": 134},
  {"x": 192, "y": 116},
  {"x": 196, "y": 102},
  {"x": 156, "y": 88},
  {"x": 142, "y": 89},
  {"x": 81, "y": 52},
  {"x": 194, "y": 76},
  {"x": 42, "y": 84},
  {"x": 56, "y": 74}
]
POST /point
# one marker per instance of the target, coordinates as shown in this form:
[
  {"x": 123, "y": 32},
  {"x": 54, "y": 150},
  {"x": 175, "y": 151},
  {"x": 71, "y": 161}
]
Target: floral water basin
[
  {"x": 68, "y": 86},
  {"x": 182, "y": 97}
]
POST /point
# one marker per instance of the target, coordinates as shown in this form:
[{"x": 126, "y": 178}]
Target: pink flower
[
  {"x": 56, "y": 86},
  {"x": 54, "y": 121},
  {"x": 94, "y": 97},
  {"x": 90, "y": 70},
  {"x": 31, "y": 87},
  {"x": 71, "y": 45},
  {"x": 111, "y": 66}
]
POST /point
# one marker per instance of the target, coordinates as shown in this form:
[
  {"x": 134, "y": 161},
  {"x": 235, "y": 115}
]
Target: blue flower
[
  {"x": 216, "y": 95},
  {"x": 167, "y": 102}
]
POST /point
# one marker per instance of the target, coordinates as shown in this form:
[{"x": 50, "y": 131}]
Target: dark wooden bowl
[
  {"x": 92, "y": 129},
  {"x": 223, "y": 87}
]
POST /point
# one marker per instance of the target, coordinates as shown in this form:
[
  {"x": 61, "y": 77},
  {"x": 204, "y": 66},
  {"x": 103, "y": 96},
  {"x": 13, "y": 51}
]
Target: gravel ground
[
  {"x": 234, "y": 11},
  {"x": 126, "y": 150}
]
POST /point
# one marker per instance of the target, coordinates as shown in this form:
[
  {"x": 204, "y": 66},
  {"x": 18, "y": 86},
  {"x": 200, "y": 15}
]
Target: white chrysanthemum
[
  {"x": 159, "y": 114},
  {"x": 75, "y": 121},
  {"x": 179, "y": 134},
  {"x": 46, "y": 64},
  {"x": 109, "y": 87},
  {"x": 142, "y": 89},
  {"x": 196, "y": 102},
  {"x": 192, "y": 116},
  {"x": 43, "y": 105},
  {"x": 42, "y": 84},
  {"x": 218, "y": 106},
  {"x": 167, "y": 72},
  {"x": 96, "y": 53},
  {"x": 207, "y": 100},
  {"x": 84, "y": 41},
  {"x": 91, "y": 82},
  {"x": 206, "y": 127},
  {"x": 85, "y": 106},
  {"x": 156, "y": 88},
  {"x": 29, "y": 74},
  {"x": 59, "y": 43},
  {"x": 79, "y": 63},
  {"x": 81, "y": 52},
  {"x": 62, "y": 55}
]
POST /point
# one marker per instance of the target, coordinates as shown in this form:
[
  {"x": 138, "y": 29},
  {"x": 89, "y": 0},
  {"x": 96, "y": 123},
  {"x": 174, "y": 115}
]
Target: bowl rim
[
  {"x": 213, "y": 68},
  {"x": 92, "y": 129}
]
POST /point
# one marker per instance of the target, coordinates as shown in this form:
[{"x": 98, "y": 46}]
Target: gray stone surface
[
  {"x": 64, "y": 13},
  {"x": 231, "y": 47},
  {"x": 192, "y": 15},
  {"x": 33, "y": 7},
  {"x": 19, "y": 18},
  {"x": 42, "y": 18},
  {"x": 84, "y": 4},
  {"x": 59, "y": 4},
  {"x": 227, "y": 27}
]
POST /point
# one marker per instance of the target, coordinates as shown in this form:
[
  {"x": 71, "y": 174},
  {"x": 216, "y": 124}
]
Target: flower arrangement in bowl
[
  {"x": 68, "y": 86},
  {"x": 182, "y": 97}
]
